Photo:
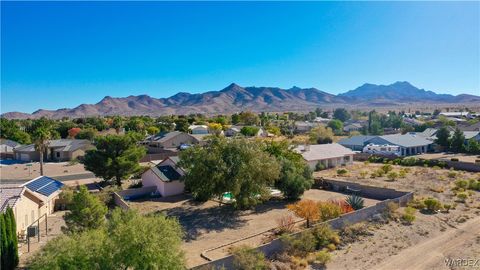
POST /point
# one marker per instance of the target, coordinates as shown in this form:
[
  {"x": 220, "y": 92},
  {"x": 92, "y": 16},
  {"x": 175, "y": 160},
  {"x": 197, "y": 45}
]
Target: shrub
[
  {"x": 355, "y": 202},
  {"x": 329, "y": 210},
  {"x": 306, "y": 209},
  {"x": 447, "y": 207},
  {"x": 344, "y": 206},
  {"x": 417, "y": 204},
  {"x": 452, "y": 174},
  {"x": 461, "y": 184},
  {"x": 380, "y": 172},
  {"x": 245, "y": 258},
  {"x": 301, "y": 245},
  {"x": 462, "y": 196},
  {"x": 432, "y": 204},
  {"x": 363, "y": 174},
  {"x": 391, "y": 211},
  {"x": 342, "y": 171},
  {"x": 285, "y": 224},
  {"x": 392, "y": 176},
  {"x": 319, "y": 166},
  {"x": 350, "y": 233},
  {"x": 474, "y": 184},
  {"x": 409, "y": 215},
  {"x": 323, "y": 257},
  {"x": 387, "y": 168},
  {"x": 324, "y": 236},
  {"x": 402, "y": 173}
]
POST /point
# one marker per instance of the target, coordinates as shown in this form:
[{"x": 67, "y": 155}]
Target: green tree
[
  {"x": 86, "y": 212},
  {"x": 4, "y": 248},
  {"x": 117, "y": 123},
  {"x": 152, "y": 130},
  {"x": 336, "y": 126},
  {"x": 245, "y": 258},
  {"x": 13, "y": 238},
  {"x": 9, "y": 242},
  {"x": 87, "y": 134},
  {"x": 249, "y": 118},
  {"x": 458, "y": 141},
  {"x": 321, "y": 135},
  {"x": 128, "y": 241},
  {"x": 41, "y": 136},
  {"x": 341, "y": 114},
  {"x": 443, "y": 137},
  {"x": 249, "y": 131},
  {"x": 116, "y": 157},
  {"x": 237, "y": 166},
  {"x": 181, "y": 124},
  {"x": 473, "y": 147}
]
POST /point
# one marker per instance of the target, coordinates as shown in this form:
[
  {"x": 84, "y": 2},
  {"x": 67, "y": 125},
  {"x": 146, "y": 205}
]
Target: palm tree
[{"x": 40, "y": 139}]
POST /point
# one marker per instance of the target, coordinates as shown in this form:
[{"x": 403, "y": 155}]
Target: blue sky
[{"x": 62, "y": 54}]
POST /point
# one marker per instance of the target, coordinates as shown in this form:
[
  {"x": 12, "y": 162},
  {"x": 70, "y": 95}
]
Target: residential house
[
  {"x": 198, "y": 129},
  {"x": 330, "y": 155},
  {"x": 467, "y": 127},
  {"x": 165, "y": 176},
  {"x": 410, "y": 144},
  {"x": 355, "y": 143},
  {"x": 6, "y": 148},
  {"x": 322, "y": 120},
  {"x": 170, "y": 140},
  {"x": 24, "y": 203},
  {"x": 46, "y": 188},
  {"x": 456, "y": 114},
  {"x": 471, "y": 135},
  {"x": 353, "y": 127},
  {"x": 233, "y": 131},
  {"x": 56, "y": 150},
  {"x": 304, "y": 126},
  {"x": 31, "y": 201}
]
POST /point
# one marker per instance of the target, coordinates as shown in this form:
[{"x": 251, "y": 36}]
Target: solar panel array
[
  {"x": 45, "y": 185},
  {"x": 169, "y": 172}
]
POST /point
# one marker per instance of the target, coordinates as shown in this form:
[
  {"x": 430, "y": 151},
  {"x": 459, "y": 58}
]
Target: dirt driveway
[{"x": 431, "y": 254}]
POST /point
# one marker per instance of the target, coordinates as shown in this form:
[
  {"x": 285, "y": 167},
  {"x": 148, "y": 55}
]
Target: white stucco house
[
  {"x": 330, "y": 155},
  {"x": 165, "y": 176}
]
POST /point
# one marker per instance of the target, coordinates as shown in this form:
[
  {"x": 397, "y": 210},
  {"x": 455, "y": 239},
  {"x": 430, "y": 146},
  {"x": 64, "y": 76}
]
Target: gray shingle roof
[
  {"x": 59, "y": 145},
  {"x": 322, "y": 151},
  {"x": 9, "y": 143},
  {"x": 355, "y": 140},
  {"x": 9, "y": 196},
  {"x": 406, "y": 140}
]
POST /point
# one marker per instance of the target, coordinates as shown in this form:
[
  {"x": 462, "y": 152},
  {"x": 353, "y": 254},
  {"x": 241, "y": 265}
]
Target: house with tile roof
[
  {"x": 330, "y": 155},
  {"x": 26, "y": 205},
  {"x": 56, "y": 150},
  {"x": 6, "y": 148},
  {"x": 166, "y": 177}
]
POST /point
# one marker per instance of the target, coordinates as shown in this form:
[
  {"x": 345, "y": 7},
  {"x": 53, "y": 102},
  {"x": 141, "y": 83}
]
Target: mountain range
[{"x": 235, "y": 98}]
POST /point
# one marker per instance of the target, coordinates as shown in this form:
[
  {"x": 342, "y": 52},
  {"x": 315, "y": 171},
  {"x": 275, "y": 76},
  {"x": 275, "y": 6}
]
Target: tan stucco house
[
  {"x": 57, "y": 150},
  {"x": 330, "y": 155}
]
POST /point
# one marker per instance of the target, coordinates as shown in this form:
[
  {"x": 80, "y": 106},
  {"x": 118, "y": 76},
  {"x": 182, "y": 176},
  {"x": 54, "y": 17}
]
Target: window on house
[{"x": 58, "y": 154}]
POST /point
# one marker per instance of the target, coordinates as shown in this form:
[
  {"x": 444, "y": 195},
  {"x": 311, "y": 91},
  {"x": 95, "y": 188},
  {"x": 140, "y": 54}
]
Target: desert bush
[
  {"x": 432, "y": 204},
  {"x": 437, "y": 189},
  {"x": 306, "y": 209},
  {"x": 245, "y": 258},
  {"x": 363, "y": 174},
  {"x": 392, "y": 176},
  {"x": 387, "y": 168},
  {"x": 462, "y": 197},
  {"x": 417, "y": 204},
  {"x": 322, "y": 257},
  {"x": 350, "y": 234},
  {"x": 379, "y": 173},
  {"x": 324, "y": 236},
  {"x": 342, "y": 172},
  {"x": 285, "y": 224},
  {"x": 452, "y": 174},
  {"x": 328, "y": 210},
  {"x": 73, "y": 162},
  {"x": 319, "y": 166},
  {"x": 301, "y": 245},
  {"x": 409, "y": 215},
  {"x": 474, "y": 184},
  {"x": 355, "y": 202},
  {"x": 391, "y": 212},
  {"x": 402, "y": 173},
  {"x": 461, "y": 184},
  {"x": 447, "y": 207}
]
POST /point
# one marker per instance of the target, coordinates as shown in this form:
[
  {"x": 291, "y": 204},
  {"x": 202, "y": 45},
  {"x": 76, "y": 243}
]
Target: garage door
[{"x": 25, "y": 157}]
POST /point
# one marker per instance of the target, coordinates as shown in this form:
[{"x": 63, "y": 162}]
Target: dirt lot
[
  {"x": 209, "y": 225},
  {"x": 430, "y": 240},
  {"x": 461, "y": 157}
]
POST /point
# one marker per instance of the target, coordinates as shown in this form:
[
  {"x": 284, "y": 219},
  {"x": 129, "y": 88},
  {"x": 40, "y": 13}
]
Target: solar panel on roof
[
  {"x": 45, "y": 185},
  {"x": 34, "y": 185}
]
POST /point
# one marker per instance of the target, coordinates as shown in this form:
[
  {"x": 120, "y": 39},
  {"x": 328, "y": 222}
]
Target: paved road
[{"x": 62, "y": 178}]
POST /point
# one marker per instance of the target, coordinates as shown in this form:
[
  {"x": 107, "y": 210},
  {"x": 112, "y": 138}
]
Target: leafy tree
[
  {"x": 274, "y": 130},
  {"x": 40, "y": 139},
  {"x": 10, "y": 130},
  {"x": 295, "y": 174},
  {"x": 63, "y": 127},
  {"x": 443, "y": 136},
  {"x": 86, "y": 212},
  {"x": 249, "y": 131},
  {"x": 249, "y": 118},
  {"x": 237, "y": 166},
  {"x": 321, "y": 135},
  {"x": 116, "y": 157},
  {"x": 86, "y": 134},
  {"x": 181, "y": 124},
  {"x": 473, "y": 147},
  {"x": 73, "y": 132},
  {"x": 336, "y": 126},
  {"x": 341, "y": 114},
  {"x": 458, "y": 141},
  {"x": 215, "y": 128},
  {"x": 152, "y": 130},
  {"x": 376, "y": 128},
  {"x": 128, "y": 241},
  {"x": 117, "y": 123},
  {"x": 306, "y": 209},
  {"x": 235, "y": 118}
]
